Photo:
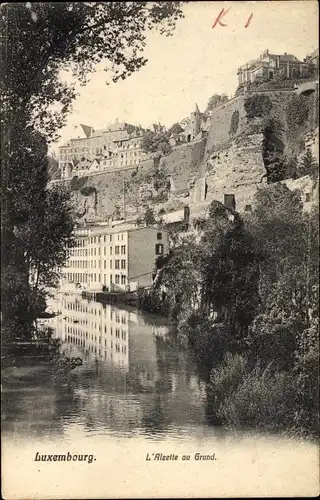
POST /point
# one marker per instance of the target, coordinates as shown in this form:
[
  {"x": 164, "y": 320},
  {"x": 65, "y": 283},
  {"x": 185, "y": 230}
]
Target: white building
[{"x": 117, "y": 258}]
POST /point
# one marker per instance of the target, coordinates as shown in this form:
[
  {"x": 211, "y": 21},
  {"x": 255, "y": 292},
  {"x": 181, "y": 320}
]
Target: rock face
[
  {"x": 229, "y": 161},
  {"x": 183, "y": 165},
  {"x": 238, "y": 170}
]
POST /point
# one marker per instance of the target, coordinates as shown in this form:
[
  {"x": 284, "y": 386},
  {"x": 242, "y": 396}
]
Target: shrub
[
  {"x": 258, "y": 105},
  {"x": 297, "y": 112},
  {"x": 77, "y": 183},
  {"x": 87, "y": 190},
  {"x": 258, "y": 397},
  {"x": 308, "y": 165},
  {"x": 262, "y": 399}
]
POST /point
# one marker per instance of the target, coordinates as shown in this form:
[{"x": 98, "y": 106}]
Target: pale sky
[{"x": 196, "y": 62}]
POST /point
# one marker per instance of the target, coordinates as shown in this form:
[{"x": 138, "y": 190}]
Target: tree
[
  {"x": 308, "y": 164},
  {"x": 175, "y": 129},
  {"x": 229, "y": 270},
  {"x": 216, "y": 100},
  {"x": 40, "y": 40},
  {"x": 149, "y": 218},
  {"x": 156, "y": 142},
  {"x": 43, "y": 38},
  {"x": 288, "y": 239},
  {"x": 42, "y": 225}
]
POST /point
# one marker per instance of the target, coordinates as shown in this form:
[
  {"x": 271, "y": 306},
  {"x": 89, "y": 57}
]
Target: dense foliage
[
  {"x": 258, "y": 105},
  {"x": 156, "y": 142},
  {"x": 214, "y": 101},
  {"x": 39, "y": 42},
  {"x": 244, "y": 295}
]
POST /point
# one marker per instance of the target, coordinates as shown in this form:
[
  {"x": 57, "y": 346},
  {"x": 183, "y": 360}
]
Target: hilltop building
[
  {"x": 115, "y": 258},
  {"x": 115, "y": 146},
  {"x": 268, "y": 66}
]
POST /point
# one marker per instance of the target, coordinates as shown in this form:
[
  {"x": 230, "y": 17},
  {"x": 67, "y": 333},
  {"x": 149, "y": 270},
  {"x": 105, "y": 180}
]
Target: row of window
[
  {"x": 83, "y": 252},
  {"x": 119, "y": 334},
  {"x": 93, "y": 349},
  {"x": 117, "y": 264},
  {"x": 106, "y": 238},
  {"x": 95, "y": 278},
  {"x": 94, "y": 264}
]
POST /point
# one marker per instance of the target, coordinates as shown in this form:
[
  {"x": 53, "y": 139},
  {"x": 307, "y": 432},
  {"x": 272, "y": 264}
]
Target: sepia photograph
[{"x": 159, "y": 249}]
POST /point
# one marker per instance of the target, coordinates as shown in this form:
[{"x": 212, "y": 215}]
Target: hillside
[{"x": 255, "y": 138}]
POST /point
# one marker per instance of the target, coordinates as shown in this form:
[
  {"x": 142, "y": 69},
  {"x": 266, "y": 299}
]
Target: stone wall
[
  {"x": 219, "y": 136},
  {"x": 238, "y": 170}
]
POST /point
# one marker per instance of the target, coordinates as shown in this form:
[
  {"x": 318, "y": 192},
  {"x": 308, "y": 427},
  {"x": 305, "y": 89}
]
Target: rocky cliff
[{"x": 253, "y": 139}]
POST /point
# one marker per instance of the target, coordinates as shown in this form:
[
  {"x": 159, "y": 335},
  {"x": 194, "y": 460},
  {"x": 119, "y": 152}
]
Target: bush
[
  {"x": 262, "y": 399},
  {"x": 252, "y": 398},
  {"x": 258, "y": 105},
  {"x": 297, "y": 112},
  {"x": 87, "y": 190},
  {"x": 77, "y": 183}
]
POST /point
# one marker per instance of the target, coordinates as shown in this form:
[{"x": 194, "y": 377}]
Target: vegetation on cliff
[
  {"x": 214, "y": 101},
  {"x": 244, "y": 296}
]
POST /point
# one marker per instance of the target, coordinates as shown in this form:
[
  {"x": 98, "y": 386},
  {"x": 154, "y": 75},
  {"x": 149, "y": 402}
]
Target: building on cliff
[
  {"x": 101, "y": 150},
  {"x": 193, "y": 127},
  {"x": 268, "y": 66},
  {"x": 115, "y": 258}
]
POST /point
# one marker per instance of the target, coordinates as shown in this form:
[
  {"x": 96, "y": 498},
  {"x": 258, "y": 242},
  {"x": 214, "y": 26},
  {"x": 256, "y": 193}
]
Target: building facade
[
  {"x": 268, "y": 66},
  {"x": 101, "y": 150},
  {"x": 115, "y": 259}
]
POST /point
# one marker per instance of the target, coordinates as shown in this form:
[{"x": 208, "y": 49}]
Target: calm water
[
  {"x": 135, "y": 393},
  {"x": 133, "y": 378}
]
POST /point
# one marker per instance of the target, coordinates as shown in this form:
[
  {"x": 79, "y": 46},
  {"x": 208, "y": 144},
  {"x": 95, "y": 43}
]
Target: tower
[{"x": 195, "y": 121}]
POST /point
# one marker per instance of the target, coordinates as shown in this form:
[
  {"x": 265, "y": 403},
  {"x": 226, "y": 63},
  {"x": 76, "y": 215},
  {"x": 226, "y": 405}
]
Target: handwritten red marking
[
  {"x": 218, "y": 19},
  {"x": 249, "y": 20}
]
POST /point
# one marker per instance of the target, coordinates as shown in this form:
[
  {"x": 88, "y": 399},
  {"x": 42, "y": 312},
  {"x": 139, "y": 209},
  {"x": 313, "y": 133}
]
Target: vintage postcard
[{"x": 159, "y": 249}]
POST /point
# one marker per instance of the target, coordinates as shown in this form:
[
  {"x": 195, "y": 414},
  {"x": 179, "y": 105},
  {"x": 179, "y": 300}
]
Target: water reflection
[{"x": 134, "y": 379}]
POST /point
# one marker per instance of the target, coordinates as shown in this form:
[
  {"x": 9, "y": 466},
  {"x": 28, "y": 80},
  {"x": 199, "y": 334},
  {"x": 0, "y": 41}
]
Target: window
[
  {"x": 308, "y": 197},
  {"x": 110, "y": 264},
  {"x": 247, "y": 208},
  {"x": 117, "y": 264},
  {"x": 110, "y": 238},
  {"x": 123, "y": 264},
  {"x": 110, "y": 250},
  {"x": 159, "y": 236},
  {"x": 117, "y": 279},
  {"x": 123, "y": 249},
  {"x": 123, "y": 280},
  {"x": 159, "y": 249},
  {"x": 117, "y": 250}
]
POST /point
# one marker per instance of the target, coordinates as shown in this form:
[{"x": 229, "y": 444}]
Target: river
[{"x": 136, "y": 394}]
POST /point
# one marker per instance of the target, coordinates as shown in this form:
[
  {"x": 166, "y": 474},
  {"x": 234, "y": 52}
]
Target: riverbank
[{"x": 129, "y": 298}]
